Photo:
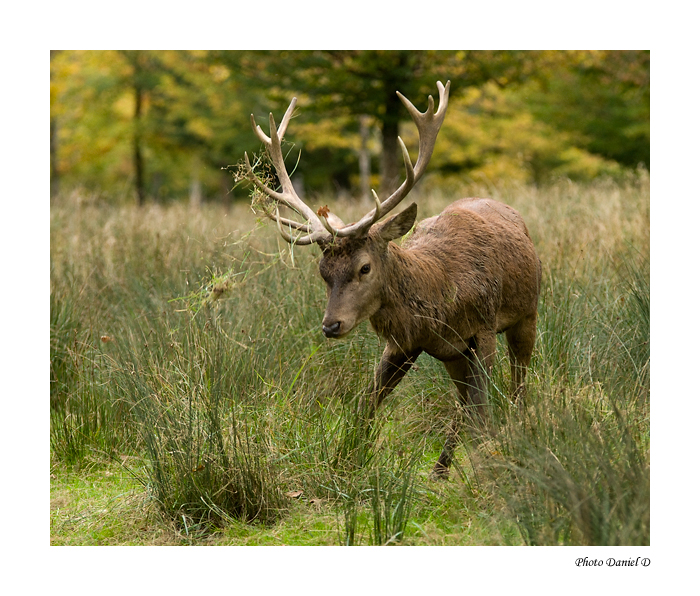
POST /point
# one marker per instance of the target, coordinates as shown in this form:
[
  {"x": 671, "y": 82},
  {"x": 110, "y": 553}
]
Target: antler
[
  {"x": 318, "y": 228},
  {"x": 428, "y": 124},
  {"x": 315, "y": 229}
]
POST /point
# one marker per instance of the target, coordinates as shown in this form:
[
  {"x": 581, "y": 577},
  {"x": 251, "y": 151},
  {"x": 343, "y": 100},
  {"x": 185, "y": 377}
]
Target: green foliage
[
  {"x": 377, "y": 503},
  {"x": 603, "y": 102}
]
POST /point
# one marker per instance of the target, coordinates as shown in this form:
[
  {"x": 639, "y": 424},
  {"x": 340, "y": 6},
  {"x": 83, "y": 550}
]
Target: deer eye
[{"x": 365, "y": 269}]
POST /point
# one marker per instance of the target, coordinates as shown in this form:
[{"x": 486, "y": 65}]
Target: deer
[{"x": 462, "y": 277}]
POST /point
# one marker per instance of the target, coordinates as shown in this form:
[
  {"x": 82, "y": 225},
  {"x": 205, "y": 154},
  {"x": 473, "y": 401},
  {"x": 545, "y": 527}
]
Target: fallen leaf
[{"x": 323, "y": 211}]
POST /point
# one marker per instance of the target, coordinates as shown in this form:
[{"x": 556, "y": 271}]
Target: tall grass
[
  {"x": 191, "y": 340},
  {"x": 573, "y": 468},
  {"x": 574, "y": 472}
]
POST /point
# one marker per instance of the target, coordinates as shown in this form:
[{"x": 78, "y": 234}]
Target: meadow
[{"x": 194, "y": 399}]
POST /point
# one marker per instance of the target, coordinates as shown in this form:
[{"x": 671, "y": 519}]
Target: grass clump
[{"x": 206, "y": 463}]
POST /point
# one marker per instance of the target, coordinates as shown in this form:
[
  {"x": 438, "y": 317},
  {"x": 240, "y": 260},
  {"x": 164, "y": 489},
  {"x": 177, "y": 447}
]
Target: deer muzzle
[{"x": 331, "y": 330}]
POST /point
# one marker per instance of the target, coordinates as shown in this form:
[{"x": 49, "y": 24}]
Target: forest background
[{"x": 160, "y": 125}]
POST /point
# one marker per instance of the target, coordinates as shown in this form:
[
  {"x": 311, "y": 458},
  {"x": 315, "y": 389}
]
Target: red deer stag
[{"x": 464, "y": 276}]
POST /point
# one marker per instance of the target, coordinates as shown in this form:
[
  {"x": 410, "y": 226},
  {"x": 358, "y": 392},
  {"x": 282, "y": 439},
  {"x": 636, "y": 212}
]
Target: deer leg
[
  {"x": 470, "y": 376},
  {"x": 486, "y": 345},
  {"x": 521, "y": 342},
  {"x": 392, "y": 368}
]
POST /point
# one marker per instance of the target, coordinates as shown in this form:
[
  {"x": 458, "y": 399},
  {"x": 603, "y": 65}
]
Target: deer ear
[{"x": 398, "y": 225}]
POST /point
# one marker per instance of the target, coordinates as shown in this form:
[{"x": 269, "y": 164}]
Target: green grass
[{"x": 195, "y": 401}]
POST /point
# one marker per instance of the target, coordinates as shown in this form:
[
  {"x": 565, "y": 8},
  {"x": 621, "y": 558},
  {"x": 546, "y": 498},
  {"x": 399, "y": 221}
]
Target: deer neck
[{"x": 414, "y": 283}]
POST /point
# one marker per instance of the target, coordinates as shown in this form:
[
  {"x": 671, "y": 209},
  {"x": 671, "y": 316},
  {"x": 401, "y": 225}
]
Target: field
[{"x": 194, "y": 399}]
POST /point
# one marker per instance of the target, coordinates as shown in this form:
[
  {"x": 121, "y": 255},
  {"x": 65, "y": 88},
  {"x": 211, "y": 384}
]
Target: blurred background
[{"x": 159, "y": 126}]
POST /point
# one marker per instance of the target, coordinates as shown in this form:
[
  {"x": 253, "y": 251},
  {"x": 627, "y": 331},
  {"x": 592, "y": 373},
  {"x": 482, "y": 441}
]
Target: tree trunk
[
  {"x": 195, "y": 185},
  {"x": 53, "y": 145},
  {"x": 54, "y": 180},
  {"x": 390, "y": 145},
  {"x": 138, "y": 157},
  {"x": 365, "y": 171}
]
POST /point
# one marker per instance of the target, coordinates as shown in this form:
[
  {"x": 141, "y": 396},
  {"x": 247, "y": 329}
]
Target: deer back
[{"x": 471, "y": 268}]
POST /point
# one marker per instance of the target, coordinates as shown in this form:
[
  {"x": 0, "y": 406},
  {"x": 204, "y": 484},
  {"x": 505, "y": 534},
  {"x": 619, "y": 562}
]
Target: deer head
[{"x": 354, "y": 255}]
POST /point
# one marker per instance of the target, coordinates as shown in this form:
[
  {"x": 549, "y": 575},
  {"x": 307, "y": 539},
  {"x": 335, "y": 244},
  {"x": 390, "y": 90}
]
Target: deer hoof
[{"x": 440, "y": 472}]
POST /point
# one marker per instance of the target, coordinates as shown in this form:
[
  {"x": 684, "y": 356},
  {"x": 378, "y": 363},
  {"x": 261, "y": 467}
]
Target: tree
[
  {"x": 53, "y": 132},
  {"x": 141, "y": 80}
]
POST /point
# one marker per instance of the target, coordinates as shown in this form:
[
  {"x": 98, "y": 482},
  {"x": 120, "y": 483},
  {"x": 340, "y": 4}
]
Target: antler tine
[
  {"x": 283, "y": 126},
  {"x": 377, "y": 207},
  {"x": 285, "y": 235},
  {"x": 428, "y": 124},
  {"x": 287, "y": 117},
  {"x": 259, "y": 131},
  {"x": 295, "y": 225},
  {"x": 299, "y": 240}
]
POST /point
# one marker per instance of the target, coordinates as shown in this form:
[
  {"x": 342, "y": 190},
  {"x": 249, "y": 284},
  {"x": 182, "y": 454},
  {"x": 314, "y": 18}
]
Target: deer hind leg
[
  {"x": 470, "y": 376},
  {"x": 521, "y": 342}
]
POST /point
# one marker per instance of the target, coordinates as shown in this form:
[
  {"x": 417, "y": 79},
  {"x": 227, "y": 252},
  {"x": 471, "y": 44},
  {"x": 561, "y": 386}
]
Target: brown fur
[{"x": 463, "y": 277}]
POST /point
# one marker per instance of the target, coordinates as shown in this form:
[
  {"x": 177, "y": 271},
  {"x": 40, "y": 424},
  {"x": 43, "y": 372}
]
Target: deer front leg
[{"x": 392, "y": 368}]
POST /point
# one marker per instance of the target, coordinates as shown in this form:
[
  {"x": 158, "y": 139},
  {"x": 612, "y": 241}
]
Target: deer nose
[{"x": 331, "y": 330}]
